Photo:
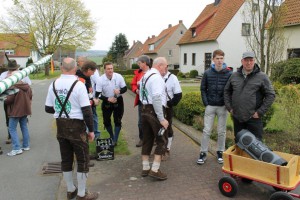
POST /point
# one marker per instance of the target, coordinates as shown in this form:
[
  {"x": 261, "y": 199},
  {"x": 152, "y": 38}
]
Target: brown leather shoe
[
  {"x": 158, "y": 175},
  {"x": 91, "y": 164},
  {"x": 89, "y": 196},
  {"x": 8, "y": 141},
  {"x": 72, "y": 195},
  {"x": 139, "y": 144},
  {"x": 145, "y": 173}
]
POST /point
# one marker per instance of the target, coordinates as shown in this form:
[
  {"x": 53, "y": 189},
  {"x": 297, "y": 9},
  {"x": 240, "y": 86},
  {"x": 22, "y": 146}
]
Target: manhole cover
[{"x": 51, "y": 168}]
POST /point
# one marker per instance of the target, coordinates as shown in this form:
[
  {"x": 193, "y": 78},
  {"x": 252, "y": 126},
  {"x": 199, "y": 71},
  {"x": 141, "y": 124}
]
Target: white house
[{"x": 219, "y": 26}]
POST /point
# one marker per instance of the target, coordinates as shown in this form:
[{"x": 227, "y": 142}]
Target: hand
[
  {"x": 91, "y": 136},
  {"x": 90, "y": 90},
  {"x": 255, "y": 115},
  {"x": 116, "y": 91},
  {"x": 137, "y": 91},
  {"x": 164, "y": 123},
  {"x": 112, "y": 100},
  {"x": 96, "y": 101}
]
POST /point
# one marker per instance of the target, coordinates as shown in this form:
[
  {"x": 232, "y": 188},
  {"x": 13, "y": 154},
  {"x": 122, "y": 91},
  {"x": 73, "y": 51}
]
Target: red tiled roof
[
  {"x": 291, "y": 13},
  {"x": 212, "y": 21},
  {"x": 19, "y": 42},
  {"x": 160, "y": 40}
]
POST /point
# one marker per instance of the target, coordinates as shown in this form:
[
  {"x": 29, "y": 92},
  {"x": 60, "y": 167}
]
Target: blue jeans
[
  {"x": 12, "y": 126},
  {"x": 95, "y": 119}
]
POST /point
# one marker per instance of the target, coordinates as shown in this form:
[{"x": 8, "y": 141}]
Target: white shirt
[
  {"x": 172, "y": 84},
  {"x": 94, "y": 79},
  {"x": 154, "y": 86},
  {"x": 106, "y": 86},
  {"x": 5, "y": 74},
  {"x": 78, "y": 98}
]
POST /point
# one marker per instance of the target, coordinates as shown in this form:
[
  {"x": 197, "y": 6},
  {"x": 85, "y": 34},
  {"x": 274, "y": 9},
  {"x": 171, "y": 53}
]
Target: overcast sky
[{"x": 137, "y": 19}]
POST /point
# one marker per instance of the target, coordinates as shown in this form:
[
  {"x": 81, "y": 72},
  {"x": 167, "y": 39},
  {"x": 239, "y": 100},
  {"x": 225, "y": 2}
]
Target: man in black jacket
[
  {"x": 212, "y": 93},
  {"x": 248, "y": 95}
]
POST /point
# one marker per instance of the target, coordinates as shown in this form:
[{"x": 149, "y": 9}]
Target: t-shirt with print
[
  {"x": 78, "y": 97},
  {"x": 154, "y": 86},
  {"x": 106, "y": 86},
  {"x": 172, "y": 84}
]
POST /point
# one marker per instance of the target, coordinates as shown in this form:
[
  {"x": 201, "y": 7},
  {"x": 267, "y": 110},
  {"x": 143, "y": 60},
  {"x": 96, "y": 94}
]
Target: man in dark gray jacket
[{"x": 248, "y": 95}]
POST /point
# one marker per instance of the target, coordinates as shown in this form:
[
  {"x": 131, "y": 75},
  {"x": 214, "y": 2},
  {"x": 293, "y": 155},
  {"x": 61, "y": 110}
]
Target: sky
[{"x": 137, "y": 19}]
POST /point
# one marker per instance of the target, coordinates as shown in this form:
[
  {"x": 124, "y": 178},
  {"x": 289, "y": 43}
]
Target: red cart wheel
[
  {"x": 228, "y": 186},
  {"x": 281, "y": 196}
]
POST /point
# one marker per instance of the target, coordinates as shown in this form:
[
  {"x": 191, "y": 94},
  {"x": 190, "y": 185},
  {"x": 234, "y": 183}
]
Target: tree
[
  {"x": 51, "y": 24},
  {"x": 266, "y": 38},
  {"x": 118, "y": 48}
]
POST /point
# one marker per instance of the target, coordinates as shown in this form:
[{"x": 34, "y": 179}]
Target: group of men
[{"x": 73, "y": 98}]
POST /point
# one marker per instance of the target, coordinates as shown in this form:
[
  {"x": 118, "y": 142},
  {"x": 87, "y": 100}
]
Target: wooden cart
[{"x": 238, "y": 163}]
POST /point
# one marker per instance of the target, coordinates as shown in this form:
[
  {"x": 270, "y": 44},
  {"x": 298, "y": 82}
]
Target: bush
[
  {"x": 287, "y": 72},
  {"x": 174, "y": 71},
  {"x": 268, "y": 115},
  {"x": 190, "y": 106},
  {"x": 193, "y": 73},
  {"x": 180, "y": 75},
  {"x": 135, "y": 66},
  {"x": 125, "y": 72}
]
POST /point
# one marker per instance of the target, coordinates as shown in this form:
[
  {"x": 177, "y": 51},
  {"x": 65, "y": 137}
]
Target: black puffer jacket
[
  {"x": 245, "y": 96},
  {"x": 212, "y": 86}
]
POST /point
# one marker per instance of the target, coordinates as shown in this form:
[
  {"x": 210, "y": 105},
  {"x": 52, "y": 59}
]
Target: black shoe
[
  {"x": 145, "y": 173},
  {"x": 202, "y": 158},
  {"x": 72, "y": 195},
  {"x": 1, "y": 152},
  {"x": 220, "y": 157},
  {"x": 139, "y": 144}
]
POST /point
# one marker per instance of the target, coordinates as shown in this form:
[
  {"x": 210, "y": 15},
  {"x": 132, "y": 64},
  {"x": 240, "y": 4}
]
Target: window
[
  {"x": 245, "y": 29},
  {"x": 207, "y": 61},
  {"x": 8, "y": 52},
  {"x": 181, "y": 32},
  {"x": 194, "y": 33},
  {"x": 151, "y": 47},
  {"x": 193, "y": 59},
  {"x": 184, "y": 58},
  {"x": 254, "y": 7},
  {"x": 170, "y": 53}
]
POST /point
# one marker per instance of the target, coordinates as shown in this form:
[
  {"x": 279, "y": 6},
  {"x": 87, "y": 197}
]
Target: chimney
[
  {"x": 170, "y": 25},
  {"x": 180, "y": 21},
  {"x": 148, "y": 37},
  {"x": 153, "y": 36},
  {"x": 217, "y": 2},
  {"x": 133, "y": 42}
]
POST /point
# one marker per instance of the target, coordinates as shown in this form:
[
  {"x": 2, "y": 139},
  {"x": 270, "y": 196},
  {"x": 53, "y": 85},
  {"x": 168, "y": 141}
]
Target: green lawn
[
  {"x": 121, "y": 149},
  {"x": 187, "y": 89},
  {"x": 41, "y": 75}
]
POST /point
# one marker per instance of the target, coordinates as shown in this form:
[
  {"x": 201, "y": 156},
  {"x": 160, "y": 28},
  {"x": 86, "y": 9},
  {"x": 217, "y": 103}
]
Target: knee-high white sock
[
  {"x": 68, "y": 177},
  {"x": 146, "y": 165},
  {"x": 81, "y": 178},
  {"x": 155, "y": 166},
  {"x": 170, "y": 139}
]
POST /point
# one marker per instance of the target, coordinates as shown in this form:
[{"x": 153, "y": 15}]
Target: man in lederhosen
[
  {"x": 68, "y": 100},
  {"x": 153, "y": 98}
]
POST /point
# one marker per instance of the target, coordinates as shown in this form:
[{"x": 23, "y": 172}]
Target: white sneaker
[
  {"x": 15, "y": 152},
  {"x": 26, "y": 148}
]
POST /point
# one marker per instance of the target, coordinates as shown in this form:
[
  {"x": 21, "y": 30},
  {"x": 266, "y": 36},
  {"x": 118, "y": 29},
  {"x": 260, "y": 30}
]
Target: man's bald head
[
  {"x": 68, "y": 64},
  {"x": 81, "y": 60}
]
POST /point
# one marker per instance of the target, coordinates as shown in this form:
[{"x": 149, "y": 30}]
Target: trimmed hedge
[
  {"x": 287, "y": 72},
  {"x": 190, "y": 105},
  {"x": 193, "y": 73},
  {"x": 125, "y": 72}
]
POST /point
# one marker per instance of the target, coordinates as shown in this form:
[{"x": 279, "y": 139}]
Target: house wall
[
  {"x": 232, "y": 42},
  {"x": 171, "y": 44},
  {"x": 291, "y": 34},
  {"x": 200, "y": 49}
]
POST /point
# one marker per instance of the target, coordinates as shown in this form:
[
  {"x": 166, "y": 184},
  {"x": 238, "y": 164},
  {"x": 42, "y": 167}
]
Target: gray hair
[
  {"x": 68, "y": 64},
  {"x": 159, "y": 60}
]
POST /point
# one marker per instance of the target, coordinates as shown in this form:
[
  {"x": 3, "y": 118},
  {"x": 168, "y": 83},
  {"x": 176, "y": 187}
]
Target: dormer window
[
  {"x": 151, "y": 47},
  {"x": 194, "y": 33}
]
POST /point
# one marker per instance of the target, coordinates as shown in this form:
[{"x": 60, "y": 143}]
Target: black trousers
[
  {"x": 117, "y": 109},
  {"x": 254, "y": 125},
  {"x": 72, "y": 138},
  {"x": 169, "y": 117}
]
